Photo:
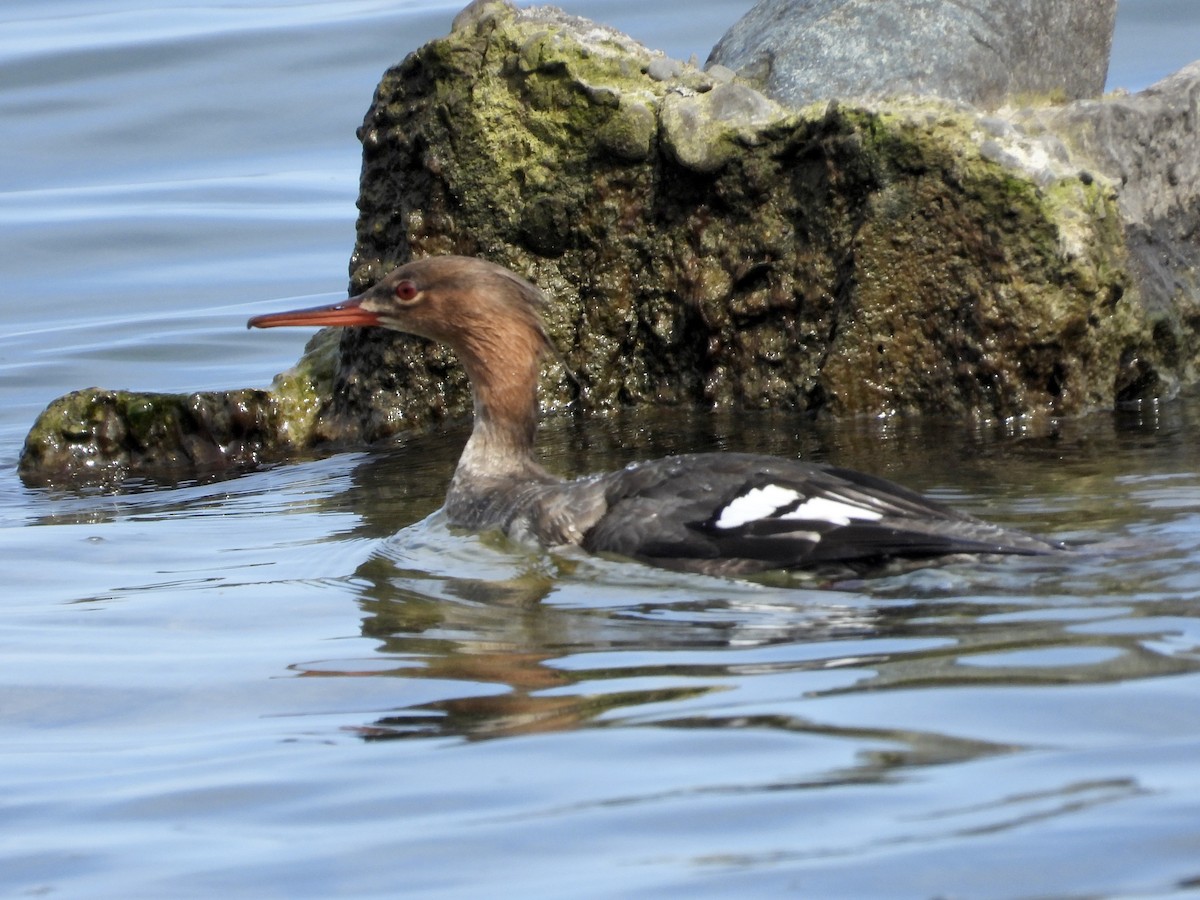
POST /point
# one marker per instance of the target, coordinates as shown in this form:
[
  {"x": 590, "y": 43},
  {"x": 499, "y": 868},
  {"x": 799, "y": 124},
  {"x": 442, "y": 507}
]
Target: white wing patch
[
  {"x": 765, "y": 502},
  {"x": 759, "y": 503},
  {"x": 836, "y": 512}
]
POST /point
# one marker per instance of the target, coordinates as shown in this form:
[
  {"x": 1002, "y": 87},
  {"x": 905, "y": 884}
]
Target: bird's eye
[{"x": 406, "y": 291}]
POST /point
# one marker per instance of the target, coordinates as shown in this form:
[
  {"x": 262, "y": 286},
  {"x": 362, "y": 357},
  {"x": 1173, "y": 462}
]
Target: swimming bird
[{"x": 716, "y": 513}]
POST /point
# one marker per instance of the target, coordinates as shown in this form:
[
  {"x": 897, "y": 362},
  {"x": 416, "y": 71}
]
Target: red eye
[{"x": 406, "y": 290}]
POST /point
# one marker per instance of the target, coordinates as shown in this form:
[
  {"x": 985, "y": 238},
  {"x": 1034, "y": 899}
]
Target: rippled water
[{"x": 300, "y": 683}]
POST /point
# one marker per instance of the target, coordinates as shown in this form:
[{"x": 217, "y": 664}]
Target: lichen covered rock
[
  {"x": 700, "y": 244},
  {"x": 832, "y": 259},
  {"x": 1146, "y": 144}
]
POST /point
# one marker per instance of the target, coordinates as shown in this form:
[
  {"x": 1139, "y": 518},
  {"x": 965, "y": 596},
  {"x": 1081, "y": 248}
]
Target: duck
[{"x": 732, "y": 514}]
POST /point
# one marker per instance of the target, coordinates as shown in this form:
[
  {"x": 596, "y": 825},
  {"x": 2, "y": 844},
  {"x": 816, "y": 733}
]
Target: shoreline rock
[{"x": 701, "y": 244}]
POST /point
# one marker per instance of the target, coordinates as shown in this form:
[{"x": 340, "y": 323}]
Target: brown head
[
  {"x": 485, "y": 313},
  {"x": 489, "y": 316}
]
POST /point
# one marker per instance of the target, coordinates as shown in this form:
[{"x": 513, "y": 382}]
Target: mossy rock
[
  {"x": 104, "y": 436},
  {"x": 837, "y": 259},
  {"x": 701, "y": 245}
]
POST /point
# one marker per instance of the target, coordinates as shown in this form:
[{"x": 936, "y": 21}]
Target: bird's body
[{"x": 727, "y": 513}]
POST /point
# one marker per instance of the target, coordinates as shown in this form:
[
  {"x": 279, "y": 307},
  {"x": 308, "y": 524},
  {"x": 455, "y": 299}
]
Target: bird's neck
[{"x": 504, "y": 383}]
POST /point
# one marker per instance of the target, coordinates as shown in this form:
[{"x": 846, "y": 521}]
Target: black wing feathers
[{"x": 742, "y": 513}]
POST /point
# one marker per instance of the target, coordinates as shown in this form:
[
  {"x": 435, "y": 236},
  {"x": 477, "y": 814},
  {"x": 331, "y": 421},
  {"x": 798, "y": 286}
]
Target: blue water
[{"x": 299, "y": 683}]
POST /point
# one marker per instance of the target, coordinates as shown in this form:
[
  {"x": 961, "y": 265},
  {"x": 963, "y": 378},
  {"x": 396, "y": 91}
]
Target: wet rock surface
[
  {"x": 983, "y": 52},
  {"x": 702, "y": 244},
  {"x": 841, "y": 259},
  {"x": 102, "y": 435}
]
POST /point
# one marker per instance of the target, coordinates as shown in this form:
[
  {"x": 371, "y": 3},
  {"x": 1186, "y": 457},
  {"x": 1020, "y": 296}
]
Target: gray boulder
[
  {"x": 1145, "y": 145},
  {"x": 982, "y": 52}
]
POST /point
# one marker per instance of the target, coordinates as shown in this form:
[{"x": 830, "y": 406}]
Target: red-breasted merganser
[{"x": 719, "y": 513}]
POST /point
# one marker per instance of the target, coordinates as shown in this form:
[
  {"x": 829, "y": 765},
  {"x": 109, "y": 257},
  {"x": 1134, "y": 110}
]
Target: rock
[
  {"x": 106, "y": 436},
  {"x": 982, "y": 52},
  {"x": 702, "y": 131},
  {"x": 101, "y": 435},
  {"x": 839, "y": 260},
  {"x": 701, "y": 245},
  {"x": 664, "y": 68},
  {"x": 1145, "y": 144}
]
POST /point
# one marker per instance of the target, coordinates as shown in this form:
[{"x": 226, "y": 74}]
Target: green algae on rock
[
  {"x": 99, "y": 436},
  {"x": 842, "y": 259},
  {"x": 103, "y": 436},
  {"x": 701, "y": 244}
]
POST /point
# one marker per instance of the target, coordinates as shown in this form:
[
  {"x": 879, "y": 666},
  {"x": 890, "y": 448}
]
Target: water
[{"x": 298, "y": 683}]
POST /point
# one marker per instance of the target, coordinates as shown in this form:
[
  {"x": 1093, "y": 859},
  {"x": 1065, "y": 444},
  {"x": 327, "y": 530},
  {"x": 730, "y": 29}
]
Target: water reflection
[{"x": 523, "y": 642}]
